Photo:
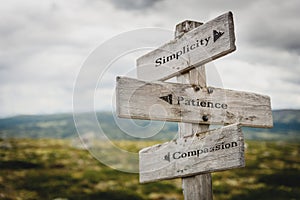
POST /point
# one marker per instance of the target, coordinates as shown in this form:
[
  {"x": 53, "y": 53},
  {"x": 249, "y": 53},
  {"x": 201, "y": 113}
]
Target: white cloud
[{"x": 44, "y": 44}]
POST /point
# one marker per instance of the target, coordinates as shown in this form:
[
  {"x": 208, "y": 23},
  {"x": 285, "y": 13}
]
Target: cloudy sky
[{"x": 45, "y": 45}]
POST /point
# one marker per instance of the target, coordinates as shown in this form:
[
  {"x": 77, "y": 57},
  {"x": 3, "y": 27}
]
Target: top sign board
[{"x": 197, "y": 47}]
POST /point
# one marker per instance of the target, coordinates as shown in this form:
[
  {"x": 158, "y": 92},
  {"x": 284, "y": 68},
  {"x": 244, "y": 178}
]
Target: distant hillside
[
  {"x": 286, "y": 126},
  {"x": 63, "y": 126}
]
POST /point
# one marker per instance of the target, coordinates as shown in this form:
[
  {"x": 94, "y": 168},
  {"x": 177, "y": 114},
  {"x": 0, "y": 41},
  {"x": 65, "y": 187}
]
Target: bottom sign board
[{"x": 211, "y": 151}]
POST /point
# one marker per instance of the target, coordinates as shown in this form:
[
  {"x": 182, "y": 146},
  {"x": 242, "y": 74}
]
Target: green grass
[{"x": 52, "y": 169}]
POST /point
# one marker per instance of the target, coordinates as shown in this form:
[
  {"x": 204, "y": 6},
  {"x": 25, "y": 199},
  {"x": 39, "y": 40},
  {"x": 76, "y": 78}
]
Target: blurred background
[{"x": 44, "y": 48}]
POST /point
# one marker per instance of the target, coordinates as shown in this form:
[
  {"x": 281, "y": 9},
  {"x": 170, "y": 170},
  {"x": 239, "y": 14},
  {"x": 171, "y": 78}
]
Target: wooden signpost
[{"x": 197, "y": 151}]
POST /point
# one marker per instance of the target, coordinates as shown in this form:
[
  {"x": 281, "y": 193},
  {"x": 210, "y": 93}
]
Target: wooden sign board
[
  {"x": 176, "y": 102},
  {"x": 196, "y": 47},
  {"x": 215, "y": 150}
]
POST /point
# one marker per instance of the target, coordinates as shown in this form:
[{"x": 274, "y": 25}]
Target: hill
[{"x": 286, "y": 126}]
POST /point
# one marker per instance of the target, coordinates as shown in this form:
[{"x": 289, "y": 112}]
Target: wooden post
[{"x": 196, "y": 187}]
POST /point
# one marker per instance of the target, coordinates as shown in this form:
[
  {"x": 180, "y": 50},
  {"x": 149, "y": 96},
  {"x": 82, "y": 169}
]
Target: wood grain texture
[
  {"x": 201, "y": 45},
  {"x": 141, "y": 100},
  {"x": 198, "y": 186},
  {"x": 215, "y": 150}
]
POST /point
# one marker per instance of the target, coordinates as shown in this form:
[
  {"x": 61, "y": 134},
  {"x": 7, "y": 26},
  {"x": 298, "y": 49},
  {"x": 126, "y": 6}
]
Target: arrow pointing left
[{"x": 167, "y": 98}]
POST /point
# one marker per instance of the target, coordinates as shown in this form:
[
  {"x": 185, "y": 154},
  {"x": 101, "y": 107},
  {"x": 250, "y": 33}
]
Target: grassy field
[{"x": 53, "y": 169}]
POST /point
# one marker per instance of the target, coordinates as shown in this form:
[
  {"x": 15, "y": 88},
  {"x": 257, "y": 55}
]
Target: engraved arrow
[
  {"x": 217, "y": 35},
  {"x": 167, "y": 157},
  {"x": 167, "y": 98}
]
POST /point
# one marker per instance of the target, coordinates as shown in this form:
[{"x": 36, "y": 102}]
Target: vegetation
[
  {"x": 286, "y": 127},
  {"x": 54, "y": 169}
]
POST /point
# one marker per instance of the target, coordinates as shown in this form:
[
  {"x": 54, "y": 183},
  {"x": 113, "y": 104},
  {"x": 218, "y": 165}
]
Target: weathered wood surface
[
  {"x": 201, "y": 45},
  {"x": 198, "y": 186},
  {"x": 190, "y": 103},
  {"x": 215, "y": 150}
]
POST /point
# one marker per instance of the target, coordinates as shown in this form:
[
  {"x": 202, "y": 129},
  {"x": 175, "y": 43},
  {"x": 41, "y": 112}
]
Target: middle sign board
[{"x": 176, "y": 102}]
